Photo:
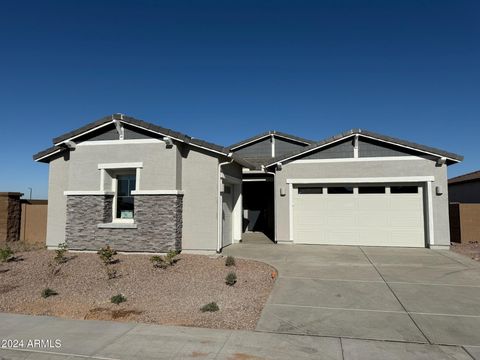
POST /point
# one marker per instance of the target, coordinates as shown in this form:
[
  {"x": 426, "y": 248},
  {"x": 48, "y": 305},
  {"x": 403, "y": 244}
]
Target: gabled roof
[
  {"x": 475, "y": 175},
  {"x": 175, "y": 135},
  {"x": 368, "y": 134},
  {"x": 267, "y": 134}
]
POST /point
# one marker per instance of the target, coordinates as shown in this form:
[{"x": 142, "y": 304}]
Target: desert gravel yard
[{"x": 171, "y": 296}]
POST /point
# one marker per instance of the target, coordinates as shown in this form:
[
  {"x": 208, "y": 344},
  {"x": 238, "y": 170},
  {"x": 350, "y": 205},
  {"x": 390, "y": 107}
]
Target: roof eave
[{"x": 450, "y": 157}]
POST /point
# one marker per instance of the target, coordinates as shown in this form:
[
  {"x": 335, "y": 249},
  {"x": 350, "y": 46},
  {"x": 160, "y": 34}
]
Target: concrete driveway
[{"x": 396, "y": 294}]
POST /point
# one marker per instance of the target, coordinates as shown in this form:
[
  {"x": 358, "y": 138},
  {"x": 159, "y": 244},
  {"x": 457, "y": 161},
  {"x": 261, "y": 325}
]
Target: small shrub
[
  {"x": 210, "y": 307},
  {"x": 47, "y": 292},
  {"x": 60, "y": 258},
  {"x": 230, "y": 261},
  {"x": 6, "y": 254},
  {"x": 158, "y": 262},
  {"x": 231, "y": 278},
  {"x": 111, "y": 273},
  {"x": 118, "y": 299},
  {"x": 107, "y": 255},
  {"x": 164, "y": 262}
]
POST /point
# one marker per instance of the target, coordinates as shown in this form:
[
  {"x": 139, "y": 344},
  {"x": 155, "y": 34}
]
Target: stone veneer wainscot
[{"x": 158, "y": 223}]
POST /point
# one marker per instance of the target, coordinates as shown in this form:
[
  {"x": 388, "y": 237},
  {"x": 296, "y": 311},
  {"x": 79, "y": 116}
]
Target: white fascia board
[
  {"x": 120, "y": 142},
  {"x": 157, "y": 192},
  {"x": 48, "y": 155},
  {"x": 86, "y": 132},
  {"x": 338, "y": 160},
  {"x": 88, "y": 192},
  {"x": 365, "y": 180},
  {"x": 132, "y": 165}
]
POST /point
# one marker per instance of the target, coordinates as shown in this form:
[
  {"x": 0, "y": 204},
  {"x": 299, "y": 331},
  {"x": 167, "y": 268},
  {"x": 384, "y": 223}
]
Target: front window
[{"x": 124, "y": 198}]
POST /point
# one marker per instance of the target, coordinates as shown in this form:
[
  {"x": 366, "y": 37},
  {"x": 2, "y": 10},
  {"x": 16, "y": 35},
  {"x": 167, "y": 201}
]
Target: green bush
[
  {"x": 118, "y": 299},
  {"x": 231, "y": 278},
  {"x": 164, "y": 262},
  {"x": 60, "y": 258},
  {"x": 6, "y": 254},
  {"x": 210, "y": 307},
  {"x": 47, "y": 292},
  {"x": 230, "y": 261},
  {"x": 107, "y": 255}
]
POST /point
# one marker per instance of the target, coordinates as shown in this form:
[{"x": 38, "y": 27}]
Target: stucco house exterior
[{"x": 141, "y": 187}]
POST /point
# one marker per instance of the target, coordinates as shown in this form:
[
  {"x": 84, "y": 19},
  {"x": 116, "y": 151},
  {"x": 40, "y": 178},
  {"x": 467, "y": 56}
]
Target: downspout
[{"x": 219, "y": 203}]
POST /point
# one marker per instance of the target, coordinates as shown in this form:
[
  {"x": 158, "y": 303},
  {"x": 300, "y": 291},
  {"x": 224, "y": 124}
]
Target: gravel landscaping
[
  {"x": 171, "y": 296},
  {"x": 472, "y": 250}
]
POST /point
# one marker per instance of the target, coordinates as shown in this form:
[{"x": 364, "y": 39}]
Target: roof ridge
[
  {"x": 381, "y": 137},
  {"x": 269, "y": 132}
]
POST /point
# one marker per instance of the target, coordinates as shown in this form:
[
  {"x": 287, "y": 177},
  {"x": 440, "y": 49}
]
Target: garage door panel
[
  {"x": 369, "y": 202},
  {"x": 339, "y": 219},
  {"x": 339, "y": 202},
  {"x": 342, "y": 237},
  {"x": 373, "y": 220},
  {"x": 359, "y": 219}
]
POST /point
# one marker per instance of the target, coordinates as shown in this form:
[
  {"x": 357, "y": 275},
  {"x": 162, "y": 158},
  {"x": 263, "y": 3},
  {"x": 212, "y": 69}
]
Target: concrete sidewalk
[{"x": 112, "y": 340}]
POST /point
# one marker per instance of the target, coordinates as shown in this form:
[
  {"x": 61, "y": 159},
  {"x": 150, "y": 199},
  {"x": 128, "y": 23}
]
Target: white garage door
[{"x": 380, "y": 215}]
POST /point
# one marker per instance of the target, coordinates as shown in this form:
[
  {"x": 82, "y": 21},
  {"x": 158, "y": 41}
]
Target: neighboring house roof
[
  {"x": 475, "y": 175},
  {"x": 269, "y": 133},
  {"x": 60, "y": 140},
  {"x": 368, "y": 134}
]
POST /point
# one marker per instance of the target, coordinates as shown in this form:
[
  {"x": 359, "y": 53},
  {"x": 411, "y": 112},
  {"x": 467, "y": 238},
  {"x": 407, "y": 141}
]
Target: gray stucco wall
[
  {"x": 355, "y": 169},
  {"x": 468, "y": 192},
  {"x": 57, "y": 202},
  {"x": 199, "y": 183},
  {"x": 158, "y": 172}
]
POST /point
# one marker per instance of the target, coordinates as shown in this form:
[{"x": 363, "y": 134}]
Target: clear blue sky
[{"x": 225, "y": 70}]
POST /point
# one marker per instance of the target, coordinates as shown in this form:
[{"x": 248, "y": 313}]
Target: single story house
[
  {"x": 141, "y": 187},
  {"x": 465, "y": 188}
]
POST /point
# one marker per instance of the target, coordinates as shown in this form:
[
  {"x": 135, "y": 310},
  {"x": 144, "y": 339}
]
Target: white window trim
[
  {"x": 113, "y": 166},
  {"x": 87, "y": 192},
  {"x": 157, "y": 192},
  {"x": 114, "y": 204}
]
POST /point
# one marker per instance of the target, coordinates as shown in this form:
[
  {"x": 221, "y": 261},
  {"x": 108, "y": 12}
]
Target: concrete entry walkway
[{"x": 396, "y": 294}]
